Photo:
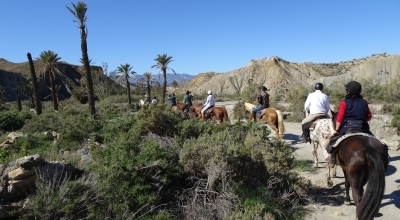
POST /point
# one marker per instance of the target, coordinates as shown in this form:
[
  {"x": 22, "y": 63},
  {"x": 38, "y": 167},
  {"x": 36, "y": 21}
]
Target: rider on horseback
[
  {"x": 317, "y": 105},
  {"x": 353, "y": 113},
  {"x": 187, "y": 99},
  {"x": 146, "y": 98},
  {"x": 172, "y": 99},
  {"x": 210, "y": 102},
  {"x": 263, "y": 100}
]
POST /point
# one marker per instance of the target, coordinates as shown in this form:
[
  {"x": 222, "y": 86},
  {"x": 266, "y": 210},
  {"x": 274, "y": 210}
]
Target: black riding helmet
[
  {"x": 353, "y": 88},
  {"x": 319, "y": 86},
  {"x": 263, "y": 88}
]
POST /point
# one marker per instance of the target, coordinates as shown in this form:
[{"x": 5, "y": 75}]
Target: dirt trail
[{"x": 328, "y": 202}]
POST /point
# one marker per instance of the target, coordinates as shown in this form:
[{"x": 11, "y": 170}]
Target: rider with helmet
[
  {"x": 353, "y": 113},
  {"x": 317, "y": 105},
  {"x": 187, "y": 100},
  {"x": 210, "y": 102},
  {"x": 263, "y": 100}
]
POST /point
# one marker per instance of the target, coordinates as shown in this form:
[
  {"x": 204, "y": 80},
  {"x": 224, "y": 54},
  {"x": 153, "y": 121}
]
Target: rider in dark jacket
[{"x": 263, "y": 100}]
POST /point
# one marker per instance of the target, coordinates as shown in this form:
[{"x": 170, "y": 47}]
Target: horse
[
  {"x": 320, "y": 137},
  {"x": 219, "y": 113},
  {"x": 363, "y": 159},
  {"x": 273, "y": 117}
]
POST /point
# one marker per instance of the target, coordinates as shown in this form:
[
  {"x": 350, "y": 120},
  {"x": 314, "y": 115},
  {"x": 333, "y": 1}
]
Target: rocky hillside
[
  {"x": 17, "y": 76},
  {"x": 278, "y": 75}
]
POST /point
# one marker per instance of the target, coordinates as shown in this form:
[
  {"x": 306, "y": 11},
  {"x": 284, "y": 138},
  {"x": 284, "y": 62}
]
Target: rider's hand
[{"x": 335, "y": 133}]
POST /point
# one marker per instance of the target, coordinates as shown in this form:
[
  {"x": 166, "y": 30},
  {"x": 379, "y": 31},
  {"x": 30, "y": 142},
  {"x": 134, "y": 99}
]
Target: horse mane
[{"x": 249, "y": 107}]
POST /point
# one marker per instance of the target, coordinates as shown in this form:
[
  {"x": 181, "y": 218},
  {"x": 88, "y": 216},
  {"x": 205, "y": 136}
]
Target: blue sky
[{"x": 202, "y": 35}]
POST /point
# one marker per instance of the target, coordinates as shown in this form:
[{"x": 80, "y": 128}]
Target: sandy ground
[{"x": 328, "y": 203}]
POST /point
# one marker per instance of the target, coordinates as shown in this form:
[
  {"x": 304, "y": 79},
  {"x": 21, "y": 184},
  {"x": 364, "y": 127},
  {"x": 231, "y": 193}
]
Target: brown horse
[
  {"x": 364, "y": 159},
  {"x": 219, "y": 113},
  {"x": 273, "y": 117}
]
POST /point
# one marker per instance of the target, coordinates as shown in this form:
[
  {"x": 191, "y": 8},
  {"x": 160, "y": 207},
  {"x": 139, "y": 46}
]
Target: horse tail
[
  {"x": 280, "y": 125},
  {"x": 372, "y": 198}
]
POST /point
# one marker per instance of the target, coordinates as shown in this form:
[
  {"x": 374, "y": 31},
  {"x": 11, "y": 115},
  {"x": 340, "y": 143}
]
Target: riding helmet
[
  {"x": 319, "y": 86},
  {"x": 209, "y": 92},
  {"x": 353, "y": 88},
  {"x": 263, "y": 88}
]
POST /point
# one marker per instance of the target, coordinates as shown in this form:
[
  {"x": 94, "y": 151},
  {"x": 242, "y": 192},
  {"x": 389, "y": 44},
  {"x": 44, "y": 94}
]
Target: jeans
[{"x": 257, "y": 109}]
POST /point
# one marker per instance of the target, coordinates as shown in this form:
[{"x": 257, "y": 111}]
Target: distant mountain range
[{"x": 180, "y": 78}]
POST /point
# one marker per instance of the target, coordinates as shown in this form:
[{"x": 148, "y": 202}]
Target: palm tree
[
  {"x": 162, "y": 64},
  {"x": 79, "y": 11},
  {"x": 126, "y": 75},
  {"x": 149, "y": 79},
  {"x": 35, "y": 86},
  {"x": 50, "y": 60}
]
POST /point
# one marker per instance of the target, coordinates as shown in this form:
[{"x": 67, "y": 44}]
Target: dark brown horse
[
  {"x": 273, "y": 117},
  {"x": 364, "y": 159},
  {"x": 219, "y": 113}
]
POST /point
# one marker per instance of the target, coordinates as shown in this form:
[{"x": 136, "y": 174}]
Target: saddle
[
  {"x": 207, "y": 113},
  {"x": 335, "y": 142},
  {"x": 312, "y": 126},
  {"x": 309, "y": 126},
  {"x": 260, "y": 113}
]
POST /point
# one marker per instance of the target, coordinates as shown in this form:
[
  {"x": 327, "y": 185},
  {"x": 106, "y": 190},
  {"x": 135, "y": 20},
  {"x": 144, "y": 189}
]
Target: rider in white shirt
[
  {"x": 209, "y": 103},
  {"x": 317, "y": 105}
]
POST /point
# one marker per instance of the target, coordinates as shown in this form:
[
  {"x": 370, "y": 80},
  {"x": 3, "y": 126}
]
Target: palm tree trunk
[
  {"x": 148, "y": 88},
  {"x": 128, "y": 89},
  {"x": 53, "y": 91},
  {"x": 89, "y": 81},
  {"x": 164, "y": 86},
  {"x": 38, "y": 104},
  {"x": 18, "y": 99}
]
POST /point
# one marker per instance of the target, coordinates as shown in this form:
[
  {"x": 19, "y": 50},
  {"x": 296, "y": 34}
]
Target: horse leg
[
  {"x": 329, "y": 180},
  {"x": 334, "y": 172},
  {"x": 314, "y": 152},
  {"x": 347, "y": 186},
  {"x": 272, "y": 126}
]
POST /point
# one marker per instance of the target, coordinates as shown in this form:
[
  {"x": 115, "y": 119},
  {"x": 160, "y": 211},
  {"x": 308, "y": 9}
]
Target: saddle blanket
[
  {"x": 344, "y": 137},
  {"x": 208, "y": 111},
  {"x": 260, "y": 113}
]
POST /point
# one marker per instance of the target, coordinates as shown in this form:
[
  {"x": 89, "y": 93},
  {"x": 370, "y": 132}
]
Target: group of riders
[
  {"x": 353, "y": 113},
  {"x": 187, "y": 101}
]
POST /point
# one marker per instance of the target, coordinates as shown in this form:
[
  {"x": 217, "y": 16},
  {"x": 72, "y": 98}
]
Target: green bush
[{"x": 12, "y": 120}]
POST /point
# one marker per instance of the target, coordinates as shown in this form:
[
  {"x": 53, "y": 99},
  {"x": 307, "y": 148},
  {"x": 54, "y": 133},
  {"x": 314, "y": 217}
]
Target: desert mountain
[
  {"x": 17, "y": 76},
  {"x": 279, "y": 75},
  {"x": 180, "y": 78}
]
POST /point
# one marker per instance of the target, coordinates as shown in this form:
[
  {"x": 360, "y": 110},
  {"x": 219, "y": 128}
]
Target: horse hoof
[
  {"x": 330, "y": 183},
  {"x": 315, "y": 165},
  {"x": 333, "y": 176},
  {"x": 346, "y": 203}
]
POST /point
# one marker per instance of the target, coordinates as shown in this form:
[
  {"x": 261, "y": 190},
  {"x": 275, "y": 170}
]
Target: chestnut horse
[
  {"x": 273, "y": 117},
  {"x": 219, "y": 113}
]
